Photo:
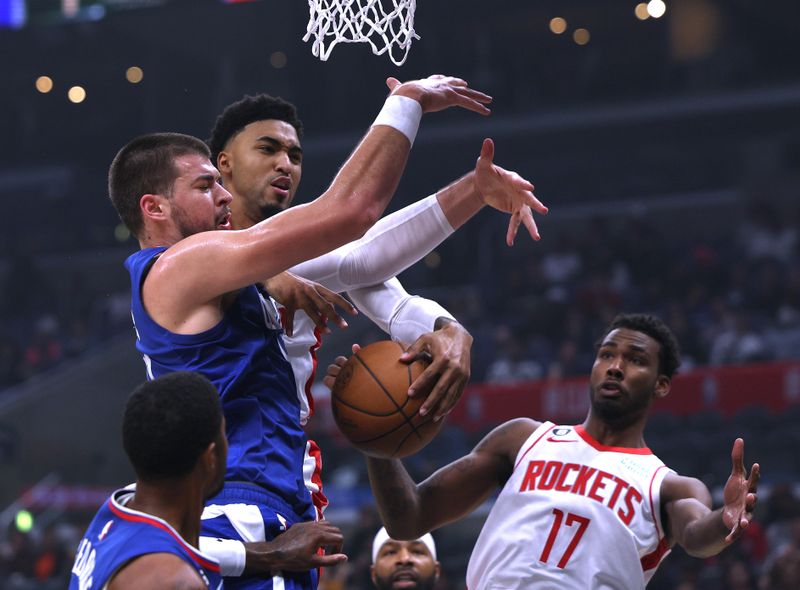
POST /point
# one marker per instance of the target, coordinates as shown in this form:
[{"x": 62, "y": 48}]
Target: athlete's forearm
[
  {"x": 461, "y": 200},
  {"x": 705, "y": 536},
  {"x": 409, "y": 509},
  {"x": 394, "y": 243},
  {"x": 397, "y": 498},
  {"x": 403, "y": 316}
]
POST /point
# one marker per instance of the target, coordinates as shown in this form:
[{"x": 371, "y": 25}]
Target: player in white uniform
[
  {"x": 256, "y": 146},
  {"x": 571, "y": 500},
  {"x": 586, "y": 506}
]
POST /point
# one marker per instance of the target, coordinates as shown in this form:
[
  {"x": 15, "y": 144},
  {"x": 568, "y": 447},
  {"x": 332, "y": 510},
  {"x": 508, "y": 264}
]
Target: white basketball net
[{"x": 362, "y": 21}]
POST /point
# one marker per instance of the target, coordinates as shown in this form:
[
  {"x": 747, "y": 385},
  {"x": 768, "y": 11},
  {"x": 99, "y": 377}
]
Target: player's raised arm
[
  {"x": 215, "y": 263},
  {"x": 403, "y": 238},
  {"x": 409, "y": 509},
  {"x": 690, "y": 521}
]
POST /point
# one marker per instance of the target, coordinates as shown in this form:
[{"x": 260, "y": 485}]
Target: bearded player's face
[
  {"x": 197, "y": 201},
  {"x": 405, "y": 565}
]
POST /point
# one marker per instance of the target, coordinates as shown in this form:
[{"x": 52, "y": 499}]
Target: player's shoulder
[
  {"x": 158, "y": 570},
  {"x": 507, "y": 438}
]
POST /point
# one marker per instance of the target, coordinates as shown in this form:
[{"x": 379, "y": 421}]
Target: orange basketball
[{"x": 371, "y": 404}]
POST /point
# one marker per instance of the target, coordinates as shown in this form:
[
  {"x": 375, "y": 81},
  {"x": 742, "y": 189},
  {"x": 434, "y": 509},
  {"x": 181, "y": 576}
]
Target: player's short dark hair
[
  {"x": 249, "y": 109},
  {"x": 669, "y": 354},
  {"x": 146, "y": 165},
  {"x": 168, "y": 423}
]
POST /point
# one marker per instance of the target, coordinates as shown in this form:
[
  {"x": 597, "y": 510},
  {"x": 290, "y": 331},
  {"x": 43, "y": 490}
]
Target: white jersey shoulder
[{"x": 573, "y": 514}]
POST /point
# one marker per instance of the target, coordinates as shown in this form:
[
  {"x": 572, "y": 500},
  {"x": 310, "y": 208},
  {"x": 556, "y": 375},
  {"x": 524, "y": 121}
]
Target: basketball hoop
[{"x": 387, "y": 30}]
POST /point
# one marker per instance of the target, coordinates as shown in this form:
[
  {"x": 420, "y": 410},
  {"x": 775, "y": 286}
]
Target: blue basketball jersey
[
  {"x": 118, "y": 535},
  {"x": 244, "y": 357}
]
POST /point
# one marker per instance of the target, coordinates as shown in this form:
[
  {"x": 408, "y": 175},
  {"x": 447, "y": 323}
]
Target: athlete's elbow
[
  {"x": 356, "y": 220},
  {"x": 703, "y": 552},
  {"x": 368, "y": 215},
  {"x": 407, "y": 530}
]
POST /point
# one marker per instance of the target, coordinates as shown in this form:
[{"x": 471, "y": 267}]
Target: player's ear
[
  {"x": 663, "y": 384},
  {"x": 209, "y": 458},
  {"x": 223, "y": 162},
  {"x": 373, "y": 575},
  {"x": 438, "y": 571},
  {"x": 153, "y": 206}
]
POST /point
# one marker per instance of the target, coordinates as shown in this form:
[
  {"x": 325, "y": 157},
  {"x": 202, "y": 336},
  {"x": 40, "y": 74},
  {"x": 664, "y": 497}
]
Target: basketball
[{"x": 371, "y": 404}]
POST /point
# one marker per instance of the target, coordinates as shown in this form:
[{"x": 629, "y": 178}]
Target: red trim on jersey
[
  {"x": 652, "y": 560},
  {"x": 532, "y": 445},
  {"x": 656, "y": 517},
  {"x": 312, "y": 350},
  {"x": 318, "y": 498},
  {"x": 214, "y": 567},
  {"x": 629, "y": 450}
]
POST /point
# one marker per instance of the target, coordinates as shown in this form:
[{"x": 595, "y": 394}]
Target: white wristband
[
  {"x": 401, "y": 113},
  {"x": 230, "y": 554}
]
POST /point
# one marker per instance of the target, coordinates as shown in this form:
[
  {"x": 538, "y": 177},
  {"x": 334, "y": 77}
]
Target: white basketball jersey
[
  {"x": 301, "y": 348},
  {"x": 573, "y": 514}
]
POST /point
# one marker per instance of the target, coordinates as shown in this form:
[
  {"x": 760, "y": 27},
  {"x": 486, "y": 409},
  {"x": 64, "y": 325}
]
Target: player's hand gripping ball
[{"x": 371, "y": 404}]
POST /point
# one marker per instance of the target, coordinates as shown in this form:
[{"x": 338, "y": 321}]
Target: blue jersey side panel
[
  {"x": 244, "y": 357},
  {"x": 117, "y": 535}
]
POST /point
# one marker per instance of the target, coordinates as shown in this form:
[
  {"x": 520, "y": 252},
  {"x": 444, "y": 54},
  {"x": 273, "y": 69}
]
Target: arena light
[
  {"x": 76, "y": 94},
  {"x": 134, "y": 74},
  {"x": 121, "y": 233},
  {"x": 44, "y": 84},
  {"x": 433, "y": 260},
  {"x": 558, "y": 25},
  {"x": 656, "y": 8},
  {"x": 641, "y": 11},
  {"x": 278, "y": 60},
  {"x": 23, "y": 520},
  {"x": 70, "y": 8},
  {"x": 581, "y": 36}
]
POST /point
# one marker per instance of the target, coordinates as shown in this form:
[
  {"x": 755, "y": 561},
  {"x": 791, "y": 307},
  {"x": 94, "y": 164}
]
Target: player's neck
[
  {"x": 611, "y": 435},
  {"x": 154, "y": 237},
  {"x": 239, "y": 220},
  {"x": 177, "y": 502}
]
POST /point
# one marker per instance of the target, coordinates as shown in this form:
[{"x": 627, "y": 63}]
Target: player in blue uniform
[
  {"x": 196, "y": 306},
  {"x": 146, "y": 538}
]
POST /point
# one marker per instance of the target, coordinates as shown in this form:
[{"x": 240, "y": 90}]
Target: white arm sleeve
[
  {"x": 228, "y": 552},
  {"x": 404, "y": 317},
  {"x": 392, "y": 245}
]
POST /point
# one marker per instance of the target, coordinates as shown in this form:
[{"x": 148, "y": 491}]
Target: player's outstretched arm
[
  {"x": 690, "y": 521},
  {"x": 296, "y": 549},
  {"x": 403, "y": 238},
  {"x": 214, "y": 263},
  {"x": 409, "y": 509},
  {"x": 157, "y": 571}
]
